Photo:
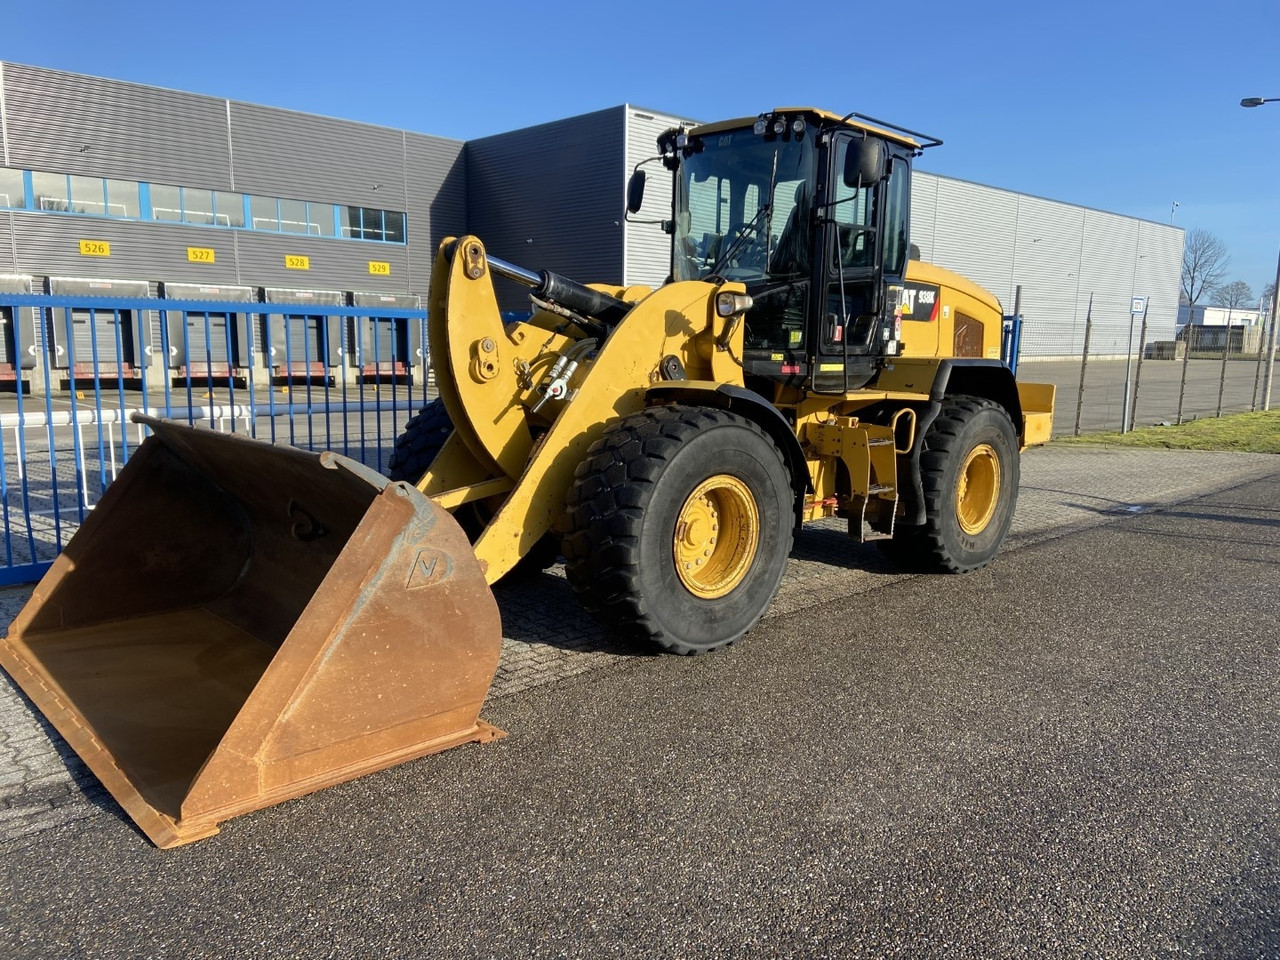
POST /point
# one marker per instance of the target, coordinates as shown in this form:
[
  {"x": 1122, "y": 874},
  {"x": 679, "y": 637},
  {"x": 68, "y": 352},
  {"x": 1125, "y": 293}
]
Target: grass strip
[{"x": 1238, "y": 433}]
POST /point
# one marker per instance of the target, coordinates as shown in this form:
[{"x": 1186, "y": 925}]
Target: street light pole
[
  {"x": 1275, "y": 297},
  {"x": 1271, "y": 343}
]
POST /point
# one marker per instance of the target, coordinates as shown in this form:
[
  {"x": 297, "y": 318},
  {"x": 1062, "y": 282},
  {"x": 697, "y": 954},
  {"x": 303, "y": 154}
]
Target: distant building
[
  {"x": 1213, "y": 329},
  {"x": 1205, "y": 316}
]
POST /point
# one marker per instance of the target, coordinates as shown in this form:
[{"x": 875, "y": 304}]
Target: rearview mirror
[
  {"x": 635, "y": 192},
  {"x": 865, "y": 161}
]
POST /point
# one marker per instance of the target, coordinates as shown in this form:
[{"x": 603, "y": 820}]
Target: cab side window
[{"x": 897, "y": 211}]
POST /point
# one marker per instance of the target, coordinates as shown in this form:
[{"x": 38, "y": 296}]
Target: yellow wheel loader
[{"x": 236, "y": 623}]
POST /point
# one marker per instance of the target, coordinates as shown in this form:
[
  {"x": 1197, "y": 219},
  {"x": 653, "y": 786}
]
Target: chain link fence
[{"x": 1198, "y": 371}]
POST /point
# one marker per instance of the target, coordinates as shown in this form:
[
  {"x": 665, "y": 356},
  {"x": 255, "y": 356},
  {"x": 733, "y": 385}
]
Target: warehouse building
[{"x": 115, "y": 188}]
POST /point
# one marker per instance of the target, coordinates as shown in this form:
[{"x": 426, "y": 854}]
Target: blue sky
[{"x": 1126, "y": 105}]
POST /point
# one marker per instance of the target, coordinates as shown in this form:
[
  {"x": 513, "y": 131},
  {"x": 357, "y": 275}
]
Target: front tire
[
  {"x": 679, "y": 527},
  {"x": 424, "y": 435},
  {"x": 970, "y": 470},
  {"x": 416, "y": 449}
]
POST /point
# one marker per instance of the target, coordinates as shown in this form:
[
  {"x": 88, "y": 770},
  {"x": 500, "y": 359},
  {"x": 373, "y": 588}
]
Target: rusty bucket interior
[{"x": 237, "y": 623}]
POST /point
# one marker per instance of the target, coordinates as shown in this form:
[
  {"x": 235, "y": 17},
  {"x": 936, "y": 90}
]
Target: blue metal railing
[
  {"x": 343, "y": 378},
  {"x": 1011, "y": 342}
]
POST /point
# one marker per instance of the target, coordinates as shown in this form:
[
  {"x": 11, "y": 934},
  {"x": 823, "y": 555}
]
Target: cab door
[{"x": 852, "y": 304}]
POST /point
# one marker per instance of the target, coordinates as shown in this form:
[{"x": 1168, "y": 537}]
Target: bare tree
[
  {"x": 1204, "y": 264},
  {"x": 1268, "y": 294},
  {"x": 1233, "y": 295}
]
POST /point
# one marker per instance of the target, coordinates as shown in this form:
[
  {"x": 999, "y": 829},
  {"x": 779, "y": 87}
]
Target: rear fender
[{"x": 989, "y": 379}]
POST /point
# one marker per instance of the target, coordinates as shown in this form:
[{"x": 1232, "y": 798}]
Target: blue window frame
[
  {"x": 193, "y": 205},
  {"x": 13, "y": 188},
  {"x": 367, "y": 223},
  {"x": 166, "y": 203}
]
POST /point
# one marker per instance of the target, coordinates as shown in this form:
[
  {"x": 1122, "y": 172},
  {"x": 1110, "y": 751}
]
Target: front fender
[{"x": 751, "y": 405}]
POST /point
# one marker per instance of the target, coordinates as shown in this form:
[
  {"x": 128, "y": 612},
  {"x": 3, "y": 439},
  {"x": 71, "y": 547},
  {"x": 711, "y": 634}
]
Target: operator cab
[{"x": 811, "y": 212}]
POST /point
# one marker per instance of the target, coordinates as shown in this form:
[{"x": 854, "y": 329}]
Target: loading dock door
[
  {"x": 99, "y": 340},
  {"x": 208, "y": 344},
  {"x": 18, "y": 344},
  {"x": 383, "y": 345},
  {"x": 306, "y": 345},
  {"x": 302, "y": 344}
]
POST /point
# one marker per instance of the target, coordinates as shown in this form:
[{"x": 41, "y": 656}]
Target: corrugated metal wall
[
  {"x": 552, "y": 197},
  {"x": 279, "y": 153},
  {"x": 49, "y": 245},
  {"x": 648, "y": 248},
  {"x": 1060, "y": 254},
  {"x": 1046, "y": 261},
  {"x": 331, "y": 263},
  {"x": 436, "y": 191},
  {"x": 7, "y": 251},
  {"x": 65, "y": 123}
]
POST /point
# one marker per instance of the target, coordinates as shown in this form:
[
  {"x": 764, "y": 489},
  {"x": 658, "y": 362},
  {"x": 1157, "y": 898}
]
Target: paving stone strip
[{"x": 548, "y": 638}]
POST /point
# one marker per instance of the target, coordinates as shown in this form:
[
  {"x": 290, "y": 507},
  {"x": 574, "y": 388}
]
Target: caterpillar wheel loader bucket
[{"x": 236, "y": 624}]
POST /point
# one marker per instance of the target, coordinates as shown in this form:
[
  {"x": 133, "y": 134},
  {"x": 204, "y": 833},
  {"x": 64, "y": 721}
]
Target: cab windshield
[{"x": 742, "y": 208}]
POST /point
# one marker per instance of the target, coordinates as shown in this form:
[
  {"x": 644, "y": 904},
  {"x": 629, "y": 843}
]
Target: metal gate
[{"x": 61, "y": 448}]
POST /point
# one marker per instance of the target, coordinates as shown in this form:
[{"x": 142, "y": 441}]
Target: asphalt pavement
[{"x": 1070, "y": 753}]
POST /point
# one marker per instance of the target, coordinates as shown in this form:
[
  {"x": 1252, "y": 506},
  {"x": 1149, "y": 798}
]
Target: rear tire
[
  {"x": 970, "y": 470},
  {"x": 679, "y": 527}
]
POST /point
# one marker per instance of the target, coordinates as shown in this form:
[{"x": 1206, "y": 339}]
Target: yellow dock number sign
[
  {"x": 201, "y": 255},
  {"x": 379, "y": 269},
  {"x": 295, "y": 262},
  {"x": 95, "y": 248}
]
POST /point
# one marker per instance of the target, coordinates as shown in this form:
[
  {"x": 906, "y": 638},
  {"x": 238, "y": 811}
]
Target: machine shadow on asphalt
[
  {"x": 540, "y": 609},
  {"x": 833, "y": 546}
]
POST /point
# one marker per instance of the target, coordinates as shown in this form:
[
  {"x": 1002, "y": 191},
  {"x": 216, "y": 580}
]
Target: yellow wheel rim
[
  {"x": 978, "y": 491},
  {"x": 716, "y": 534}
]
